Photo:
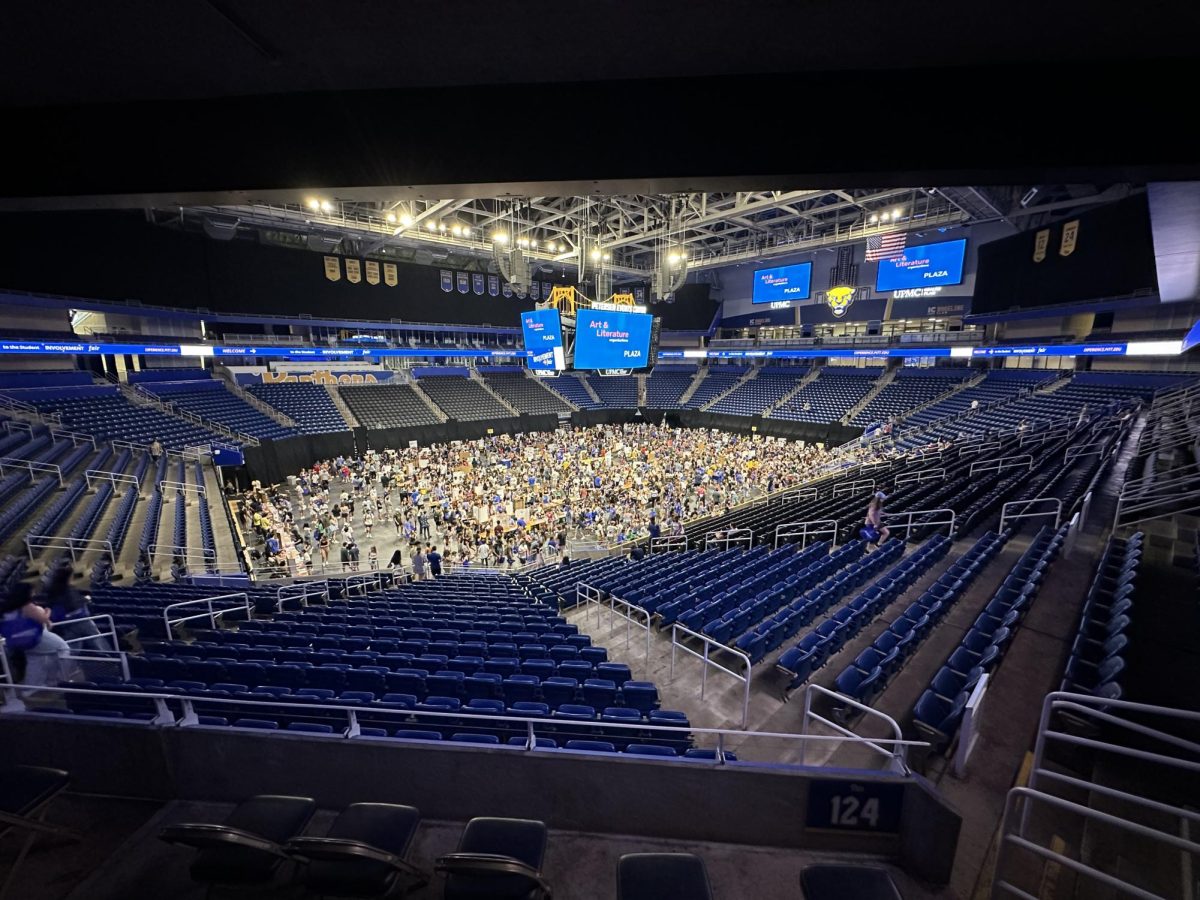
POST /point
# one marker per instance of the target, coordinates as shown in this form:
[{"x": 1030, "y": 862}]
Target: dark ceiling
[{"x": 123, "y": 104}]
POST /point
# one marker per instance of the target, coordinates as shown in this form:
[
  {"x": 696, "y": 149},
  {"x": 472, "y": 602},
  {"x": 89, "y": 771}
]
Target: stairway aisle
[{"x": 1104, "y": 503}]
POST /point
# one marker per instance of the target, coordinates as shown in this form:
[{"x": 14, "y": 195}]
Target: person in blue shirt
[
  {"x": 654, "y": 529},
  {"x": 435, "y": 561}
]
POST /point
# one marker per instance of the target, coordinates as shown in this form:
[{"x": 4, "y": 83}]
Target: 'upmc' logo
[{"x": 839, "y": 299}]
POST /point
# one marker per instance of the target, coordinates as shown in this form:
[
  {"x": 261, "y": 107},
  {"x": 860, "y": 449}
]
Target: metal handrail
[
  {"x": 854, "y": 487},
  {"x": 1024, "y": 505},
  {"x": 898, "y": 754},
  {"x": 919, "y": 476},
  {"x": 103, "y": 617},
  {"x": 588, "y": 596},
  {"x": 910, "y": 524},
  {"x": 188, "y": 718},
  {"x": 1001, "y": 463},
  {"x": 209, "y": 613},
  {"x": 666, "y": 543},
  {"x": 183, "y": 486},
  {"x": 823, "y": 526},
  {"x": 728, "y": 536},
  {"x": 8, "y": 462},
  {"x": 188, "y": 554},
  {"x": 707, "y": 660},
  {"x": 74, "y": 546},
  {"x": 116, "y": 478},
  {"x": 307, "y": 589}
]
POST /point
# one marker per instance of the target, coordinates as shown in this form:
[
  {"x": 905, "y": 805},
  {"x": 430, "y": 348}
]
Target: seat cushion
[
  {"x": 385, "y": 826},
  {"x": 274, "y": 818},
  {"x": 662, "y": 876},
  {"x": 522, "y": 839},
  {"x": 841, "y": 882}
]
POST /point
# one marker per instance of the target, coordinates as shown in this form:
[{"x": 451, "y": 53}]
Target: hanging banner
[
  {"x": 546, "y": 288},
  {"x": 353, "y": 271},
  {"x": 639, "y": 295},
  {"x": 464, "y": 282},
  {"x": 1041, "y": 241},
  {"x": 1070, "y": 238},
  {"x": 372, "y": 269},
  {"x": 447, "y": 281},
  {"x": 494, "y": 285},
  {"x": 333, "y": 268},
  {"x": 535, "y": 290},
  {"x": 477, "y": 284},
  {"x": 507, "y": 289},
  {"x": 389, "y": 274},
  {"x": 520, "y": 289}
]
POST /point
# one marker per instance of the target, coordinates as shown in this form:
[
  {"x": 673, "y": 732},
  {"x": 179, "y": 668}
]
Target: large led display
[
  {"x": 612, "y": 340},
  {"x": 783, "y": 283},
  {"x": 927, "y": 265},
  {"x": 543, "y": 339}
]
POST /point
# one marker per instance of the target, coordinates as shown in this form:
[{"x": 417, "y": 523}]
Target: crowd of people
[{"x": 515, "y": 499}]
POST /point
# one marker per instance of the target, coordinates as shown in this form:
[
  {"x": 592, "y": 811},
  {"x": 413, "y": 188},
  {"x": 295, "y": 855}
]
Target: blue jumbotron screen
[
  {"x": 927, "y": 265},
  {"x": 612, "y": 340},
  {"x": 543, "y": 339},
  {"x": 783, "y": 283}
]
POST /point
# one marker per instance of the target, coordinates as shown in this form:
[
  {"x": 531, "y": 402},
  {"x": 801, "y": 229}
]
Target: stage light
[
  {"x": 441, "y": 226},
  {"x": 431, "y": 225},
  {"x": 562, "y": 249},
  {"x": 874, "y": 218},
  {"x": 314, "y": 203},
  {"x": 499, "y": 237},
  {"x": 391, "y": 217},
  {"x": 898, "y": 213},
  {"x": 456, "y": 231},
  {"x": 405, "y": 220},
  {"x": 673, "y": 259},
  {"x": 522, "y": 242},
  {"x": 606, "y": 255},
  {"x": 326, "y": 206},
  {"x": 596, "y": 253}
]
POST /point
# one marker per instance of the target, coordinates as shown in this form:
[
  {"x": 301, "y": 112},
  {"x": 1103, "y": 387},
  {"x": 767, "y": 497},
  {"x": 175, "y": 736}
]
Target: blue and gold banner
[
  {"x": 535, "y": 290},
  {"x": 447, "y": 281},
  {"x": 464, "y": 283},
  {"x": 507, "y": 289},
  {"x": 520, "y": 289},
  {"x": 477, "y": 284},
  {"x": 546, "y": 288},
  {"x": 639, "y": 295},
  {"x": 494, "y": 285}
]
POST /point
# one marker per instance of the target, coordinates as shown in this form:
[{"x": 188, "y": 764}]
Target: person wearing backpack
[{"x": 24, "y": 625}]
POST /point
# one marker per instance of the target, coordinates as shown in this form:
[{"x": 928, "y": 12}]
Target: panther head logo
[{"x": 839, "y": 299}]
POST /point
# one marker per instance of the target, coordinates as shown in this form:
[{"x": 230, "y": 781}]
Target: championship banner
[
  {"x": 389, "y": 274},
  {"x": 520, "y": 289},
  {"x": 372, "y": 268},
  {"x": 493, "y": 285},
  {"x": 1041, "y": 241},
  {"x": 464, "y": 283},
  {"x": 477, "y": 285},
  {"x": 333, "y": 268},
  {"x": 535, "y": 289},
  {"x": 639, "y": 295},
  {"x": 1070, "y": 238},
  {"x": 507, "y": 290},
  {"x": 353, "y": 271},
  {"x": 546, "y": 288}
]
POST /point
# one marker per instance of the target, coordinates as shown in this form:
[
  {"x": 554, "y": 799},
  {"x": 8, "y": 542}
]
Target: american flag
[{"x": 886, "y": 246}]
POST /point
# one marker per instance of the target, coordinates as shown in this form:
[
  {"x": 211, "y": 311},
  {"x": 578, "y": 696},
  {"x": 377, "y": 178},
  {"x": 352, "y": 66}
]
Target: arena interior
[{"x": 404, "y": 496}]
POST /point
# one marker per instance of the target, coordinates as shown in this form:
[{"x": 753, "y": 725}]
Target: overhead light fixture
[
  {"x": 441, "y": 226},
  {"x": 874, "y": 218},
  {"x": 499, "y": 237},
  {"x": 431, "y": 225},
  {"x": 326, "y": 206},
  {"x": 391, "y": 217},
  {"x": 898, "y": 213},
  {"x": 562, "y": 249},
  {"x": 884, "y": 215},
  {"x": 522, "y": 242},
  {"x": 596, "y": 253},
  {"x": 314, "y": 203},
  {"x": 607, "y": 255},
  {"x": 673, "y": 259},
  {"x": 456, "y": 230},
  {"x": 405, "y": 219}
]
